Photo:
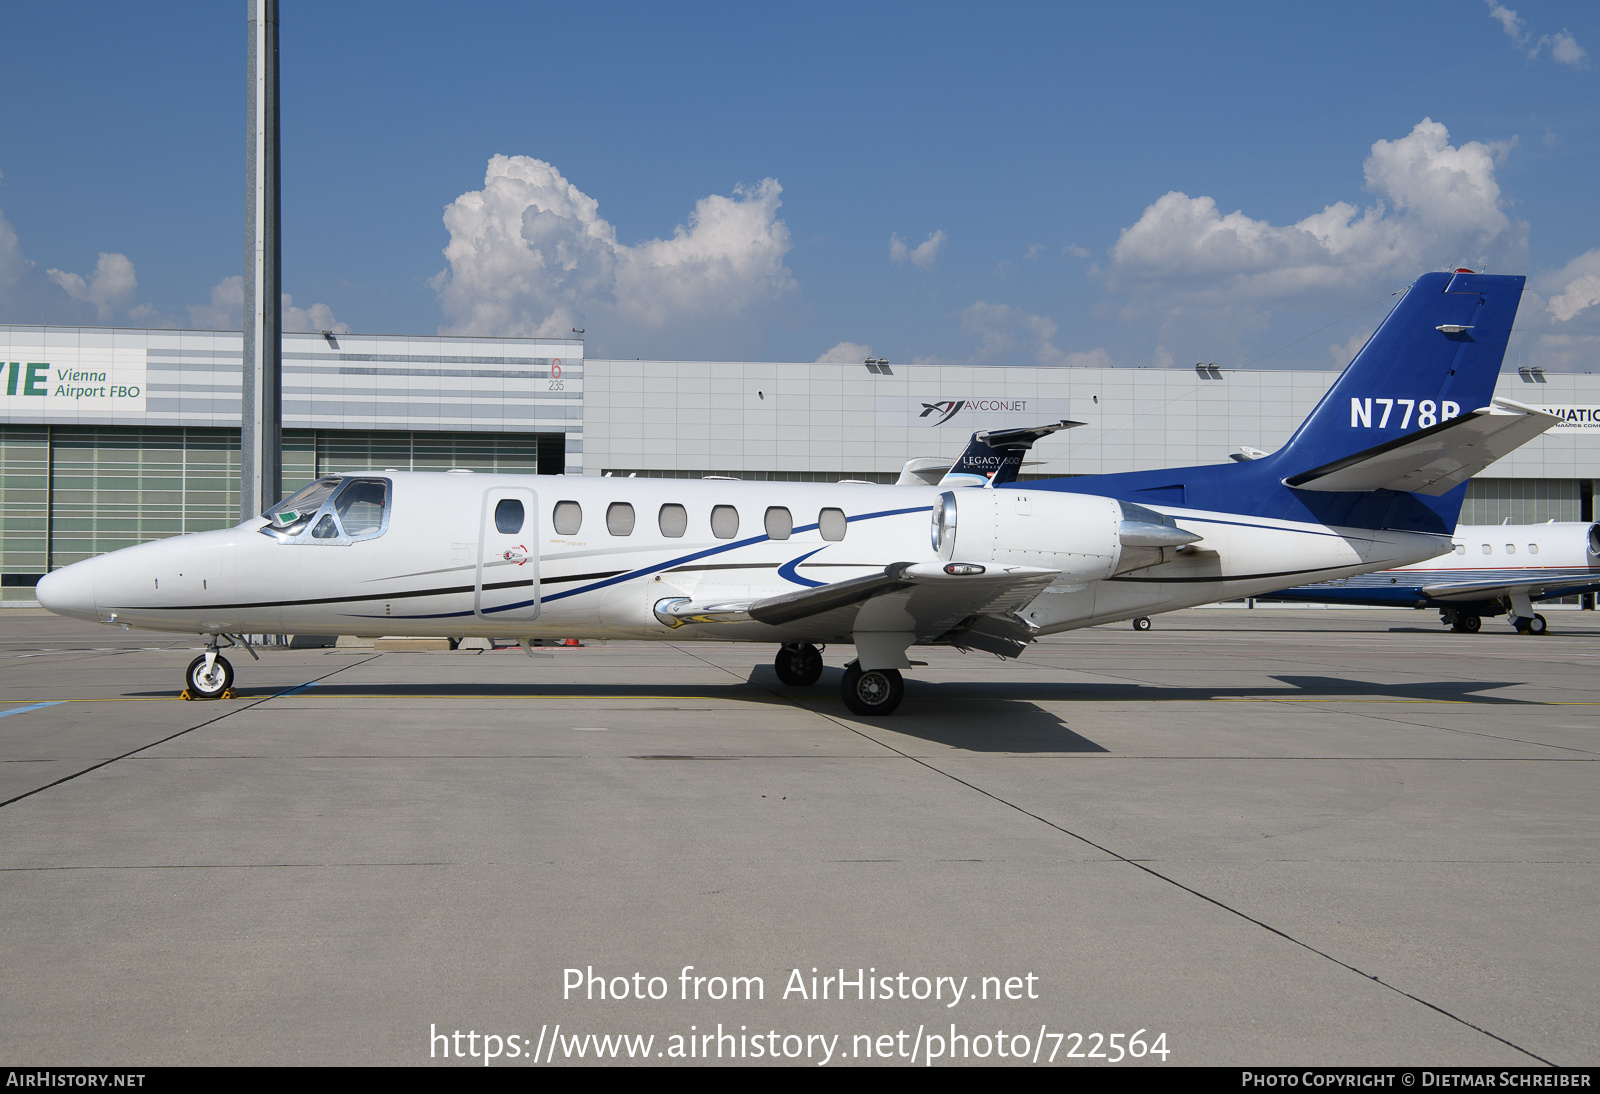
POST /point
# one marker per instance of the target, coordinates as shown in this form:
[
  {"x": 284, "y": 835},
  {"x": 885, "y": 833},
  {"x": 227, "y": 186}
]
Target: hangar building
[{"x": 113, "y": 436}]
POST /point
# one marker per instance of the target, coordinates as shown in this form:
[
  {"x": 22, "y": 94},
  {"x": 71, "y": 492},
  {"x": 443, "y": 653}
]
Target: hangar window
[
  {"x": 619, "y": 518},
  {"x": 1461, "y": 548},
  {"x": 832, "y": 525},
  {"x": 508, "y": 516},
  {"x": 724, "y": 521},
  {"x": 780, "y": 525},
  {"x": 674, "y": 521},
  {"x": 568, "y": 518}
]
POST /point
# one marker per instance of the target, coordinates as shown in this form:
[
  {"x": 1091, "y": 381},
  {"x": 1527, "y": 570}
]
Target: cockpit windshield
[
  {"x": 292, "y": 514},
  {"x": 335, "y": 510}
]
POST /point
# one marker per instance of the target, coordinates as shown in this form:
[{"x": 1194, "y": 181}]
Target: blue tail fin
[{"x": 1436, "y": 355}]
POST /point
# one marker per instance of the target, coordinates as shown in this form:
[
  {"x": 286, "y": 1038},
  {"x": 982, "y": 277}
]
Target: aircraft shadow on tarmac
[{"x": 977, "y": 716}]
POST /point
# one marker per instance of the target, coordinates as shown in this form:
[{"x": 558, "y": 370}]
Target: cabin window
[
  {"x": 1511, "y": 548},
  {"x": 832, "y": 525},
  {"x": 780, "y": 525},
  {"x": 360, "y": 506},
  {"x": 1461, "y": 548},
  {"x": 724, "y": 521},
  {"x": 674, "y": 520},
  {"x": 1533, "y": 548},
  {"x": 568, "y": 518},
  {"x": 508, "y": 516},
  {"x": 619, "y": 518},
  {"x": 1488, "y": 550}
]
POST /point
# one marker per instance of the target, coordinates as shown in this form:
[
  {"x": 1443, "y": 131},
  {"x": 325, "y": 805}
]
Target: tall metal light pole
[{"x": 261, "y": 413}]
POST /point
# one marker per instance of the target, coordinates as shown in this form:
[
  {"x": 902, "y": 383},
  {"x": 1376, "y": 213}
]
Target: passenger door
[{"x": 507, "y": 582}]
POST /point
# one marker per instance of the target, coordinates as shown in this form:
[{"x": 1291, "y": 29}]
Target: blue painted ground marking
[{"x": 35, "y": 706}]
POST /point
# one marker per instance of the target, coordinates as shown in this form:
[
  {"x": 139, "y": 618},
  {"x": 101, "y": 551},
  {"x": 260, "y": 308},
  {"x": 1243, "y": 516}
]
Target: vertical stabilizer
[{"x": 1435, "y": 357}]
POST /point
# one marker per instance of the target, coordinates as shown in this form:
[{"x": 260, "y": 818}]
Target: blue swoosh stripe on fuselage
[{"x": 648, "y": 570}]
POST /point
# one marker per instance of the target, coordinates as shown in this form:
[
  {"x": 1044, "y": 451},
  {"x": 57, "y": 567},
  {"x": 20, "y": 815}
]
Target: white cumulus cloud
[
  {"x": 1573, "y": 289},
  {"x": 1437, "y": 205},
  {"x": 530, "y": 255},
  {"x": 1564, "y": 48},
  {"x": 225, "y": 311},
  {"x": 922, "y": 256},
  {"x": 846, "y": 353},
  {"x": 110, "y": 286},
  {"x": 1009, "y": 335}
]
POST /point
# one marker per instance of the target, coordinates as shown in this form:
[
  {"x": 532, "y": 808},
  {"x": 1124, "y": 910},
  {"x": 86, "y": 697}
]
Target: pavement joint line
[
  {"x": 1142, "y": 866},
  {"x": 164, "y": 740},
  {"x": 802, "y": 700}
]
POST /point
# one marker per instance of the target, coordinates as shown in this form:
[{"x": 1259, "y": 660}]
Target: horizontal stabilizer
[
  {"x": 994, "y": 456},
  {"x": 1435, "y": 460}
]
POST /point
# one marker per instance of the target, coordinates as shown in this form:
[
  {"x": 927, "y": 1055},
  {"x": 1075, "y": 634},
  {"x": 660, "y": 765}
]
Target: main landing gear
[
  {"x": 799, "y": 664},
  {"x": 1461, "y": 622},
  {"x": 210, "y": 676},
  {"x": 872, "y": 692},
  {"x": 1141, "y": 623}
]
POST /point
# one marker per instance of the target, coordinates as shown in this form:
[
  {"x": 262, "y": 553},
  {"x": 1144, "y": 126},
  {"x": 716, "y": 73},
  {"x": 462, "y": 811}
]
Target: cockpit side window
[{"x": 360, "y": 506}]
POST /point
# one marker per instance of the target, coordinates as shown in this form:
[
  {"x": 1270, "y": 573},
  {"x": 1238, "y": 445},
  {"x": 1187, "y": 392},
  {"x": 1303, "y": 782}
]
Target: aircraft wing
[
  {"x": 925, "y": 598},
  {"x": 1435, "y": 460},
  {"x": 1543, "y": 588}
]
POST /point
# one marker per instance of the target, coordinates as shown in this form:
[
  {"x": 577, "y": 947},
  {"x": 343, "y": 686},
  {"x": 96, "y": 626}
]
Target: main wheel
[
  {"x": 799, "y": 665},
  {"x": 1142, "y": 623},
  {"x": 1538, "y": 625},
  {"x": 209, "y": 685},
  {"x": 873, "y": 692},
  {"x": 1472, "y": 624}
]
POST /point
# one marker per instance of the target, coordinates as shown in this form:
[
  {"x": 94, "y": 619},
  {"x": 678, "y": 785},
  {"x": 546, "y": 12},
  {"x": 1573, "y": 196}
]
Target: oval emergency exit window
[{"x": 508, "y": 516}]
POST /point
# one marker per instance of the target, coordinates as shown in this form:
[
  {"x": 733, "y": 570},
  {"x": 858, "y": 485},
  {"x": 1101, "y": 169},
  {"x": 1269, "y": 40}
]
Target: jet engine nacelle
[{"x": 1074, "y": 533}]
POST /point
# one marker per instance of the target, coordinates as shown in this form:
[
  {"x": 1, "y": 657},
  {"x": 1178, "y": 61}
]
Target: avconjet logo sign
[{"x": 949, "y": 408}]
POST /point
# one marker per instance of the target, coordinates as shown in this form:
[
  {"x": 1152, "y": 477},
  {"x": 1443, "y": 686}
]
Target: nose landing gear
[{"x": 210, "y": 676}]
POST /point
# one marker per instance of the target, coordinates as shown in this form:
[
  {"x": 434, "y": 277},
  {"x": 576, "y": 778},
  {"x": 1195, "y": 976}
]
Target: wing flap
[
  {"x": 1490, "y": 590},
  {"x": 925, "y": 597},
  {"x": 1435, "y": 460}
]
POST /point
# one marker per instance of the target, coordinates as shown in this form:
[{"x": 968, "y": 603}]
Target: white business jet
[
  {"x": 1371, "y": 480},
  {"x": 1492, "y": 569}
]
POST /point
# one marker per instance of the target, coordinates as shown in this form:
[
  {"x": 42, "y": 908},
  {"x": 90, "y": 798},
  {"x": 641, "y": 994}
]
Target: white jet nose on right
[{"x": 70, "y": 591}]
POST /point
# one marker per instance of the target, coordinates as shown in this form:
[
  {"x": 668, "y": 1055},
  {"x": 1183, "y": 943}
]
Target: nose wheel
[
  {"x": 1141, "y": 623},
  {"x": 872, "y": 693},
  {"x": 209, "y": 677},
  {"x": 799, "y": 664}
]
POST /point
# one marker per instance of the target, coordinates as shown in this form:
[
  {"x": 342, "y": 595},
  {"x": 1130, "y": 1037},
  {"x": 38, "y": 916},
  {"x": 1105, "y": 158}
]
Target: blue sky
[{"x": 1063, "y": 184}]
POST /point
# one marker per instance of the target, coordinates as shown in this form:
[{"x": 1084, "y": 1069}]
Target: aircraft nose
[{"x": 69, "y": 590}]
